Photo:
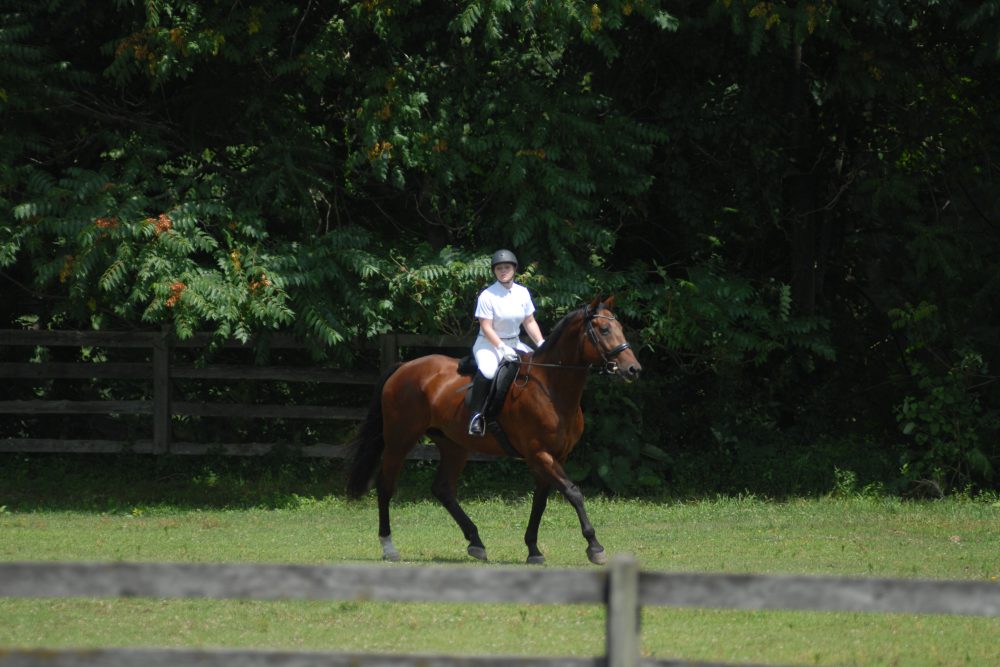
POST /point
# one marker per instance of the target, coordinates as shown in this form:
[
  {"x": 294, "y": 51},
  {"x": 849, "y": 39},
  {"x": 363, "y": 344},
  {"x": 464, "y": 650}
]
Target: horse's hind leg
[
  {"x": 397, "y": 446},
  {"x": 453, "y": 460},
  {"x": 385, "y": 486}
]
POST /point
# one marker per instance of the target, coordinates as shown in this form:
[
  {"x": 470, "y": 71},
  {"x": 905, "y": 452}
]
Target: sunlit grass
[{"x": 861, "y": 536}]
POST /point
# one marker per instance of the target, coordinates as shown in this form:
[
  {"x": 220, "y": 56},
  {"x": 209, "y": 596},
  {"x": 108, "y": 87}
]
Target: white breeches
[{"x": 487, "y": 356}]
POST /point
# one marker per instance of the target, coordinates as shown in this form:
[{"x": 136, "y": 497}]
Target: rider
[{"x": 502, "y": 309}]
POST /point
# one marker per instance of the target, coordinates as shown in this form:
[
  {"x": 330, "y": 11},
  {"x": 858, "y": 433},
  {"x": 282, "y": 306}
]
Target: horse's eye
[{"x": 605, "y": 331}]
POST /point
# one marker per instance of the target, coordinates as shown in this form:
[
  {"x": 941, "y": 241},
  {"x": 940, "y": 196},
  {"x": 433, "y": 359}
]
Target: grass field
[{"x": 207, "y": 517}]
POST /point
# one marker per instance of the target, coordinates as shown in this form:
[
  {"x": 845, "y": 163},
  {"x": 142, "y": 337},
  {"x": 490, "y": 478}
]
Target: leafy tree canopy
[{"x": 794, "y": 201}]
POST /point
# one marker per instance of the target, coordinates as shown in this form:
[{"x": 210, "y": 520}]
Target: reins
[
  {"x": 526, "y": 374},
  {"x": 568, "y": 367}
]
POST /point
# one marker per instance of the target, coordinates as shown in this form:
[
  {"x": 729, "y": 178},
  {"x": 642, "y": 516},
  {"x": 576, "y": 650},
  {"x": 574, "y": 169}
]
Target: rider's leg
[
  {"x": 480, "y": 392},
  {"x": 486, "y": 358}
]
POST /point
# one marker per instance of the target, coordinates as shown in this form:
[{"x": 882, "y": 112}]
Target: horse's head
[{"x": 610, "y": 350}]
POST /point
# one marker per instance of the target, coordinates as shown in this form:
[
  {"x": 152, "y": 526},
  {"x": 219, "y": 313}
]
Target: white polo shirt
[{"x": 508, "y": 308}]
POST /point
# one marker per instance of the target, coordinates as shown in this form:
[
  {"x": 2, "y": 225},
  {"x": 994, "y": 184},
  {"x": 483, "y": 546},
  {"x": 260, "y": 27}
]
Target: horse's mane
[{"x": 560, "y": 328}]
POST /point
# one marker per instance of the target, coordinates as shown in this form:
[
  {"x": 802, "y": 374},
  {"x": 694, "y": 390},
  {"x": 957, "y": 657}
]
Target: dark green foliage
[{"x": 794, "y": 203}]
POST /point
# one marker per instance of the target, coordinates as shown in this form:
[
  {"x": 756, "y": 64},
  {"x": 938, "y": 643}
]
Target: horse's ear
[
  {"x": 599, "y": 302},
  {"x": 595, "y": 304}
]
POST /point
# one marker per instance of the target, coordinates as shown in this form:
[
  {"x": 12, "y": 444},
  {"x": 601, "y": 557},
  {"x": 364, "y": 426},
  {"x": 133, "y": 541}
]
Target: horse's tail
[{"x": 366, "y": 449}]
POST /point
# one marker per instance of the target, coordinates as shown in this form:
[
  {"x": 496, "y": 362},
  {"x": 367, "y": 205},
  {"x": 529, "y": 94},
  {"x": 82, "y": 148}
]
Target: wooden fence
[
  {"x": 160, "y": 370},
  {"x": 622, "y": 588}
]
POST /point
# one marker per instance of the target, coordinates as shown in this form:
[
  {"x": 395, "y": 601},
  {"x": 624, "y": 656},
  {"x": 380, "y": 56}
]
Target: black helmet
[{"x": 503, "y": 256}]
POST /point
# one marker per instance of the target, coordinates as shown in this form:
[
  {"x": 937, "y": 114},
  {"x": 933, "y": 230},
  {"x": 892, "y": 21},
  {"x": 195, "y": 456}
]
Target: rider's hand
[{"x": 507, "y": 353}]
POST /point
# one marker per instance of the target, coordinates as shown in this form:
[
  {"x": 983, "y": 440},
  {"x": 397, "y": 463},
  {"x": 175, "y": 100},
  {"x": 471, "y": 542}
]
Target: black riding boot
[{"x": 480, "y": 393}]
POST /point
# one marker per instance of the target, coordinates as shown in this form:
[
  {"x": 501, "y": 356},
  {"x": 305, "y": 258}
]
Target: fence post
[
  {"x": 161, "y": 392},
  {"x": 390, "y": 350},
  {"x": 623, "y": 612}
]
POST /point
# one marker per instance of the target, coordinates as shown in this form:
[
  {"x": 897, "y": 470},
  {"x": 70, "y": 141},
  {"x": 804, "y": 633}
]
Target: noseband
[{"x": 608, "y": 356}]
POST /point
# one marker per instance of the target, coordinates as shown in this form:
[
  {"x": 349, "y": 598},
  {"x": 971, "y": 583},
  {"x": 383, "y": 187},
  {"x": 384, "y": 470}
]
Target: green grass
[{"x": 172, "y": 515}]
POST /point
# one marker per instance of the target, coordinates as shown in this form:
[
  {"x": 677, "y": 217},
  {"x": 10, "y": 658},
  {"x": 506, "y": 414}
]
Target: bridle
[{"x": 608, "y": 356}]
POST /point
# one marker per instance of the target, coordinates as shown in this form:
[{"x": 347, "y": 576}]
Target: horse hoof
[
  {"x": 597, "y": 557},
  {"x": 479, "y": 553},
  {"x": 391, "y": 556},
  {"x": 536, "y": 560}
]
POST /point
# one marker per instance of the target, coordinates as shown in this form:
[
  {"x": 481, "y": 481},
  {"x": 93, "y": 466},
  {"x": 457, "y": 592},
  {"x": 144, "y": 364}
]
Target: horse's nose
[{"x": 632, "y": 371}]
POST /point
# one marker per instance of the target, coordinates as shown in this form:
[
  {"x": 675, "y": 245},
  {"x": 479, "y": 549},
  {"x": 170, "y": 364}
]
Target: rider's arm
[{"x": 534, "y": 331}]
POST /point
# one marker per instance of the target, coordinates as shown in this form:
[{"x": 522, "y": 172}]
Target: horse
[{"x": 541, "y": 417}]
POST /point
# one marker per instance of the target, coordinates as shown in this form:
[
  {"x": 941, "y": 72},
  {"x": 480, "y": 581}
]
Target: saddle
[{"x": 504, "y": 377}]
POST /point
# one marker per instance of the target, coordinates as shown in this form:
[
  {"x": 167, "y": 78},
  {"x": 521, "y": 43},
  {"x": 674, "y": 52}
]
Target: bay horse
[{"x": 541, "y": 417}]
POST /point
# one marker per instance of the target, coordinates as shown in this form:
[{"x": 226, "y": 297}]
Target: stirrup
[{"x": 477, "y": 425}]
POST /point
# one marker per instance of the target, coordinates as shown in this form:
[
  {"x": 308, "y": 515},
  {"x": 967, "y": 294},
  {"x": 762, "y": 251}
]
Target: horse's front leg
[
  {"x": 595, "y": 552},
  {"x": 538, "y": 503},
  {"x": 554, "y": 472}
]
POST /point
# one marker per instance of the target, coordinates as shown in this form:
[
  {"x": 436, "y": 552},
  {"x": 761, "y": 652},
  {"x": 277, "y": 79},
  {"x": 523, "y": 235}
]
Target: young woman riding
[{"x": 502, "y": 309}]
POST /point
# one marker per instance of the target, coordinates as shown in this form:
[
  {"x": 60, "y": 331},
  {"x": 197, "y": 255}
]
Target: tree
[{"x": 793, "y": 201}]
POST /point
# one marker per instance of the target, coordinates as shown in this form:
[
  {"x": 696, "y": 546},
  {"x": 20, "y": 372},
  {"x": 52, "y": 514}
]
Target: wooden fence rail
[
  {"x": 161, "y": 370},
  {"x": 622, "y": 588}
]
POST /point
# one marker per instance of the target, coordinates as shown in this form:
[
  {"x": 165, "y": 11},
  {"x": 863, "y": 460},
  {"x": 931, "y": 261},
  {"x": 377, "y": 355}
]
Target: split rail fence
[
  {"x": 621, "y": 588},
  {"x": 160, "y": 370}
]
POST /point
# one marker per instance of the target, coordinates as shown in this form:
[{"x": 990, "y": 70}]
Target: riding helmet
[{"x": 503, "y": 256}]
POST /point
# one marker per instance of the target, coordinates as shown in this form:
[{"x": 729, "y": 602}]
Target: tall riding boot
[{"x": 480, "y": 393}]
